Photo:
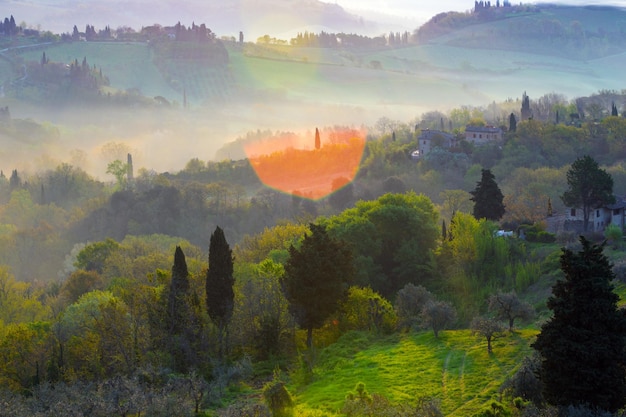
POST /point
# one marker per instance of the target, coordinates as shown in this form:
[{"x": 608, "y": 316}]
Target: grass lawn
[{"x": 456, "y": 369}]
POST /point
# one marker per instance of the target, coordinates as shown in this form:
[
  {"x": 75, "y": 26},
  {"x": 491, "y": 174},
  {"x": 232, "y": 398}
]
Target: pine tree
[
  {"x": 487, "y": 198},
  {"x": 583, "y": 344},
  {"x": 220, "y": 296}
]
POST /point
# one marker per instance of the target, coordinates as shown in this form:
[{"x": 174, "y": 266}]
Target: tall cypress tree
[
  {"x": 583, "y": 345},
  {"x": 179, "y": 314},
  {"x": 220, "y": 297},
  {"x": 318, "y": 141},
  {"x": 487, "y": 198}
]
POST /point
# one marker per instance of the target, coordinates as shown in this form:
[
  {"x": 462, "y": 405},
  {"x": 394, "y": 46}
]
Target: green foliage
[
  {"x": 277, "y": 397},
  {"x": 94, "y": 255},
  {"x": 409, "y": 305},
  {"x": 393, "y": 239},
  {"x": 613, "y": 233},
  {"x": 582, "y": 345},
  {"x": 261, "y": 320},
  {"x": 364, "y": 309},
  {"x": 495, "y": 409},
  {"x": 589, "y": 187}
]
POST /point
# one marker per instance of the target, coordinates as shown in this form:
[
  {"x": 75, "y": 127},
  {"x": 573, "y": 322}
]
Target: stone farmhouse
[
  {"x": 599, "y": 219},
  {"x": 478, "y": 135}
]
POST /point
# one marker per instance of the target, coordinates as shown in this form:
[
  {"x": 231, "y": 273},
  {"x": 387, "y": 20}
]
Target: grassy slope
[
  {"x": 128, "y": 65},
  {"x": 456, "y": 369}
]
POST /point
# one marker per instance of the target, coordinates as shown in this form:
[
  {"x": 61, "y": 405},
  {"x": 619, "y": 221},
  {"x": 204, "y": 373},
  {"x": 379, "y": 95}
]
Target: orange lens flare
[{"x": 296, "y": 165}]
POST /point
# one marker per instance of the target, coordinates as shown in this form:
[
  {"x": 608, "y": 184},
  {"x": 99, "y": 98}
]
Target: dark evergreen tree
[
  {"x": 318, "y": 142},
  {"x": 590, "y": 187},
  {"x": 525, "y": 110},
  {"x": 613, "y": 109},
  {"x": 220, "y": 297},
  {"x": 487, "y": 198},
  {"x": 317, "y": 275},
  {"x": 179, "y": 314},
  {"x": 512, "y": 123},
  {"x": 583, "y": 345}
]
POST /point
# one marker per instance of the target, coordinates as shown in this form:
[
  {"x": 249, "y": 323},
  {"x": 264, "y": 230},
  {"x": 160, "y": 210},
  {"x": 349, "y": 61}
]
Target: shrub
[
  {"x": 410, "y": 302},
  {"x": 614, "y": 235},
  {"x": 365, "y": 309},
  {"x": 277, "y": 397}
]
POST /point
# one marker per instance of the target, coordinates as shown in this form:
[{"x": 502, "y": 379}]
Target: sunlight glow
[{"x": 287, "y": 164}]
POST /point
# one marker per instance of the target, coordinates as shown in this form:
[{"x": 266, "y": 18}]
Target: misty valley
[{"x": 420, "y": 223}]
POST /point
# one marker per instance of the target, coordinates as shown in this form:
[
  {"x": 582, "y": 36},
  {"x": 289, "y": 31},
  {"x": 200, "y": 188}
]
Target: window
[
  {"x": 572, "y": 212},
  {"x": 597, "y": 213},
  {"x": 616, "y": 212}
]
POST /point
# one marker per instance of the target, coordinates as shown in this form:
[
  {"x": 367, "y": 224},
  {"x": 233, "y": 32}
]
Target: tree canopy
[
  {"x": 589, "y": 187},
  {"x": 393, "y": 239}
]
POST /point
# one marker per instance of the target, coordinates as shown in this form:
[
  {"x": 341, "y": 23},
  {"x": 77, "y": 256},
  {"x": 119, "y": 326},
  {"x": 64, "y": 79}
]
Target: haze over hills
[
  {"x": 270, "y": 86},
  {"x": 256, "y": 18}
]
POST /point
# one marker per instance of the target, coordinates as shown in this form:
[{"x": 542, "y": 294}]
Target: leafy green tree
[
  {"x": 316, "y": 278},
  {"x": 94, "y": 255},
  {"x": 583, "y": 344},
  {"x": 393, "y": 239},
  {"x": 219, "y": 283},
  {"x": 589, "y": 187},
  {"x": 79, "y": 283},
  {"x": 119, "y": 170},
  {"x": 487, "y": 198}
]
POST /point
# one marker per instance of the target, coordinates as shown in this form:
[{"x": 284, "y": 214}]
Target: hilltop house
[
  {"x": 428, "y": 139},
  {"x": 479, "y": 135},
  {"x": 599, "y": 218}
]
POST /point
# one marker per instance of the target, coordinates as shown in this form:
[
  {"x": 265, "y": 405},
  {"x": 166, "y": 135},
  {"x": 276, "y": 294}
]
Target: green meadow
[{"x": 454, "y": 369}]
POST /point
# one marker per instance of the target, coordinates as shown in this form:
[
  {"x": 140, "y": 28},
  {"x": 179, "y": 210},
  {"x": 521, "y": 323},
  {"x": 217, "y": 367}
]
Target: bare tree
[
  {"x": 487, "y": 327},
  {"x": 508, "y": 307}
]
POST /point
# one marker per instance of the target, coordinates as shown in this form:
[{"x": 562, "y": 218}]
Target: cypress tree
[
  {"x": 487, "y": 198},
  {"x": 178, "y": 314},
  {"x": 582, "y": 345},
  {"x": 318, "y": 141},
  {"x": 220, "y": 297},
  {"x": 512, "y": 123}
]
